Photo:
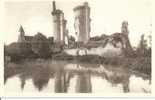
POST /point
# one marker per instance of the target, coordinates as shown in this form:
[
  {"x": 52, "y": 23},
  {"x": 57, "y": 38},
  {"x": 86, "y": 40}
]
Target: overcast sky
[{"x": 106, "y": 15}]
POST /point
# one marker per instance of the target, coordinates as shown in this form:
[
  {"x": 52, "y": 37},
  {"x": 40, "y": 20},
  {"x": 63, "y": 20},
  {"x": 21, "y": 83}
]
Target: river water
[{"x": 72, "y": 77}]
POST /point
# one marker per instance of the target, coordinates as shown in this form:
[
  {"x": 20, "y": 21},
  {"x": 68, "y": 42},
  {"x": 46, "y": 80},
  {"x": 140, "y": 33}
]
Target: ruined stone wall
[
  {"x": 82, "y": 23},
  {"x": 21, "y": 36},
  {"x": 127, "y": 45},
  {"x": 56, "y": 27},
  {"x": 59, "y": 25}
]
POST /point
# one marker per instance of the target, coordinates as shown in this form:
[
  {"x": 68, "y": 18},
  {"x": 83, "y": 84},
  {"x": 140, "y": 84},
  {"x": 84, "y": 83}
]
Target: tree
[
  {"x": 40, "y": 45},
  {"x": 150, "y": 40},
  {"x": 18, "y": 50},
  {"x": 143, "y": 49}
]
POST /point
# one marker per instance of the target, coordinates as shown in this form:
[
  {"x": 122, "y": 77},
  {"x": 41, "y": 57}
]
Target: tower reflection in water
[
  {"x": 79, "y": 78},
  {"x": 83, "y": 84},
  {"x": 62, "y": 81}
]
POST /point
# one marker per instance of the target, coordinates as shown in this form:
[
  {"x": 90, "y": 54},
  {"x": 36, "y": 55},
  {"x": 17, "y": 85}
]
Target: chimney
[{"x": 54, "y": 7}]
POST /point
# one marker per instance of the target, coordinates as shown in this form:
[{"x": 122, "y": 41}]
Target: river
[{"x": 48, "y": 76}]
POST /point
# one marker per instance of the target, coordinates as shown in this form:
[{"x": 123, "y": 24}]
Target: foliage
[
  {"x": 18, "y": 50},
  {"x": 143, "y": 49},
  {"x": 40, "y": 45},
  {"x": 99, "y": 38}
]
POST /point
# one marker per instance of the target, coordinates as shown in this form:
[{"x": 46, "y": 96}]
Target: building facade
[
  {"x": 22, "y": 37},
  {"x": 82, "y": 22},
  {"x": 59, "y": 25}
]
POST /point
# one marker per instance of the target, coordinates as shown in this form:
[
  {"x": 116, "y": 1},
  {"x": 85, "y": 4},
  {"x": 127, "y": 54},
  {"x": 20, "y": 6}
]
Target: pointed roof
[{"x": 21, "y": 29}]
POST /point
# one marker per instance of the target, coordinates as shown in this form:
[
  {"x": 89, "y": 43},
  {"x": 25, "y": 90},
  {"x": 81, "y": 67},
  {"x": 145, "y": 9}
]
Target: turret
[
  {"x": 21, "y": 30},
  {"x": 82, "y": 22},
  {"x": 21, "y": 37}
]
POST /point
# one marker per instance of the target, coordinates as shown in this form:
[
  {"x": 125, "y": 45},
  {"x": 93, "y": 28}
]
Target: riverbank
[{"x": 140, "y": 65}]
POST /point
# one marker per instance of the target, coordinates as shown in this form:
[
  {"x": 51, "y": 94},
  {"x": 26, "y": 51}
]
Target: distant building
[
  {"x": 82, "y": 22},
  {"x": 51, "y": 40},
  {"x": 59, "y": 25},
  {"x": 22, "y": 37}
]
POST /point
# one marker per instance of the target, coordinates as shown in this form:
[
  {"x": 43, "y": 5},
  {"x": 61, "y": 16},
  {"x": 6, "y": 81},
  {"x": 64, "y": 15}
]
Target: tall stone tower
[
  {"x": 126, "y": 41},
  {"x": 82, "y": 22},
  {"x": 124, "y": 28},
  {"x": 59, "y": 25},
  {"x": 21, "y": 37}
]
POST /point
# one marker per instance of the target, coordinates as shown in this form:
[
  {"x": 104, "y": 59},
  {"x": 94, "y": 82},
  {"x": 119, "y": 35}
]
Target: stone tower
[
  {"x": 82, "y": 22},
  {"x": 124, "y": 28},
  {"x": 21, "y": 37},
  {"x": 126, "y": 42},
  {"x": 59, "y": 25}
]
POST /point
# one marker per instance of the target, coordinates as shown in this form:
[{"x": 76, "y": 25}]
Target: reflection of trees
[
  {"x": 23, "y": 78},
  {"x": 10, "y": 71},
  {"x": 118, "y": 76},
  {"x": 41, "y": 77},
  {"x": 126, "y": 86},
  {"x": 39, "y": 73},
  {"x": 122, "y": 79}
]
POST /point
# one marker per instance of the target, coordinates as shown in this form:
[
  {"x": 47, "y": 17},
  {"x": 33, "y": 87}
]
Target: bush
[
  {"x": 40, "y": 45},
  {"x": 18, "y": 51},
  {"x": 141, "y": 64}
]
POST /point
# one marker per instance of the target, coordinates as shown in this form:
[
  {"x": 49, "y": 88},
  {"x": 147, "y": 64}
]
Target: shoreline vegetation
[
  {"x": 137, "y": 60},
  {"x": 138, "y": 65},
  {"x": 122, "y": 70}
]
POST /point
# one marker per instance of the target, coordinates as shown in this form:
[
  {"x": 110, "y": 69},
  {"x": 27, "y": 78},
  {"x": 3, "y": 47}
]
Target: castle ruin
[
  {"x": 59, "y": 25},
  {"x": 82, "y": 22},
  {"x": 22, "y": 38}
]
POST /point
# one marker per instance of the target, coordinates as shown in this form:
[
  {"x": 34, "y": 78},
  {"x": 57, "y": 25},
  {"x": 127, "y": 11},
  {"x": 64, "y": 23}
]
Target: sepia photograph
[{"x": 77, "y": 46}]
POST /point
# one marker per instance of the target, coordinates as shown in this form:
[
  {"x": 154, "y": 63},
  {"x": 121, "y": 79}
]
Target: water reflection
[
  {"x": 40, "y": 76},
  {"x": 72, "y": 77},
  {"x": 60, "y": 81},
  {"x": 83, "y": 84},
  {"x": 23, "y": 81}
]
